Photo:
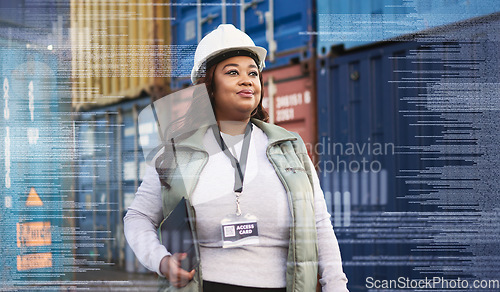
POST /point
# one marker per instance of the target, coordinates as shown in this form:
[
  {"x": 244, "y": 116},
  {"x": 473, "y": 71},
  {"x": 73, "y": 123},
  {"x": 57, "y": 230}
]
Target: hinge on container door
[
  {"x": 243, "y": 8},
  {"x": 270, "y": 31},
  {"x": 198, "y": 17},
  {"x": 271, "y": 88},
  {"x": 208, "y": 18}
]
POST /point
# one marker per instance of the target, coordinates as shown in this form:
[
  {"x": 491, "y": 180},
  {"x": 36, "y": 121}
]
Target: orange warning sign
[
  {"x": 34, "y": 261},
  {"x": 33, "y": 234},
  {"x": 33, "y": 199}
]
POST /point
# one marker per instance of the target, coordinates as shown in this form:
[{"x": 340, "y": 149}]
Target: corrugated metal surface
[
  {"x": 273, "y": 24},
  {"x": 33, "y": 23},
  {"x": 350, "y": 24},
  {"x": 30, "y": 13},
  {"x": 34, "y": 143},
  {"x": 404, "y": 145},
  {"x": 111, "y": 167},
  {"x": 292, "y": 91},
  {"x": 119, "y": 51}
]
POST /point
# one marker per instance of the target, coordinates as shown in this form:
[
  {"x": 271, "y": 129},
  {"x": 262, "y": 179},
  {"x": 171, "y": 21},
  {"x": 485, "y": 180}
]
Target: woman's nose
[{"x": 246, "y": 80}]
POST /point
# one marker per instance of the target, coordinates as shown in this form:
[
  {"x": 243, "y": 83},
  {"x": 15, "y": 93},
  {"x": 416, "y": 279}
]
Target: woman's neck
[{"x": 233, "y": 127}]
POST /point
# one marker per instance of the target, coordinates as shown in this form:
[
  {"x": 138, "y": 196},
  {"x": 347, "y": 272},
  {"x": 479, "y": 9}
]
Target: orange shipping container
[
  {"x": 119, "y": 50},
  {"x": 290, "y": 99}
]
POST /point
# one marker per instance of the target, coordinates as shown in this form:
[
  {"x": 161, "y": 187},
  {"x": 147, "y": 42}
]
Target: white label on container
[
  {"x": 8, "y": 202},
  {"x": 190, "y": 30},
  {"x": 289, "y": 100},
  {"x": 33, "y": 135},
  {"x": 265, "y": 102},
  {"x": 285, "y": 114},
  {"x": 144, "y": 140},
  {"x": 146, "y": 128},
  {"x": 88, "y": 143},
  {"x": 130, "y": 131},
  {"x": 129, "y": 170},
  {"x": 142, "y": 169},
  {"x": 127, "y": 199},
  {"x": 31, "y": 98},
  {"x": 293, "y": 99},
  {"x": 307, "y": 96},
  {"x": 6, "y": 115},
  {"x": 88, "y": 201},
  {"x": 7, "y": 157},
  {"x": 6, "y": 112}
]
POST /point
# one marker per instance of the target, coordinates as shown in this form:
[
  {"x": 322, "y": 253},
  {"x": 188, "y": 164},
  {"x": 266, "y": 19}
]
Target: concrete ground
[{"x": 114, "y": 279}]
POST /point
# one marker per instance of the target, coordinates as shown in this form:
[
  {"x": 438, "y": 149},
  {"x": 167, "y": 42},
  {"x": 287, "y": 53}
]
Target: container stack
[
  {"x": 387, "y": 95},
  {"x": 289, "y": 93},
  {"x": 405, "y": 105},
  {"x": 111, "y": 169},
  {"x": 35, "y": 157},
  {"x": 120, "y": 50}
]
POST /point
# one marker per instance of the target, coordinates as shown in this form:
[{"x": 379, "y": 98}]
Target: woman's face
[{"x": 237, "y": 88}]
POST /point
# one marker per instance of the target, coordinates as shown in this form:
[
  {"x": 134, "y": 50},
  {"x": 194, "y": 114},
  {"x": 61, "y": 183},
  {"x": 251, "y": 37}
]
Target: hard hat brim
[{"x": 259, "y": 51}]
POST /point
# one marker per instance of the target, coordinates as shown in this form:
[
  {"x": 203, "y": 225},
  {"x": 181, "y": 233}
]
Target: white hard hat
[{"x": 220, "y": 43}]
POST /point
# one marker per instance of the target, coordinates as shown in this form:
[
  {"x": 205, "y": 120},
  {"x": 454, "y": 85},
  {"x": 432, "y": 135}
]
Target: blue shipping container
[
  {"x": 273, "y": 24},
  {"x": 35, "y": 139},
  {"x": 408, "y": 147},
  {"x": 110, "y": 166},
  {"x": 31, "y": 20},
  {"x": 352, "y": 24}
]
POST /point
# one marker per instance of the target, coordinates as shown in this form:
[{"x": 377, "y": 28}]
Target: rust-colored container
[
  {"x": 290, "y": 99},
  {"x": 119, "y": 50}
]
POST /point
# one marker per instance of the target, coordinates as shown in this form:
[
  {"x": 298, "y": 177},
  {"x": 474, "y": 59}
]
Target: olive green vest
[{"x": 287, "y": 153}]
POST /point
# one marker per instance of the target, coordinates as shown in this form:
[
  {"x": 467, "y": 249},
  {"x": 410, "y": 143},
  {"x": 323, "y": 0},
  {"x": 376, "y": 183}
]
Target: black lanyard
[{"x": 239, "y": 166}]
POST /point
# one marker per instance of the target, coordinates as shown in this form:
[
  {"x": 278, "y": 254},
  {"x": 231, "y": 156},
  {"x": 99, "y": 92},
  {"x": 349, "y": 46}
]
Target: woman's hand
[{"x": 170, "y": 267}]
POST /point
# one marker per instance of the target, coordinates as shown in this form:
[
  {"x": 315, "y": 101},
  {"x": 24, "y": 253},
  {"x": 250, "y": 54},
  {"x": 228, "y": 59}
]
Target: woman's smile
[{"x": 245, "y": 93}]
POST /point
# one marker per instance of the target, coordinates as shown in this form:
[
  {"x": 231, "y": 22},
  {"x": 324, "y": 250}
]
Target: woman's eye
[
  {"x": 232, "y": 72},
  {"x": 254, "y": 73}
]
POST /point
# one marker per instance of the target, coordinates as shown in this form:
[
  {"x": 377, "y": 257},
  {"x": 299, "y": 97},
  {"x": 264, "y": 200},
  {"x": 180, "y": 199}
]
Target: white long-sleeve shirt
[{"x": 263, "y": 196}]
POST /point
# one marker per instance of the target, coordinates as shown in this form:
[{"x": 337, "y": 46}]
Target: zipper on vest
[
  {"x": 295, "y": 169},
  {"x": 292, "y": 235}
]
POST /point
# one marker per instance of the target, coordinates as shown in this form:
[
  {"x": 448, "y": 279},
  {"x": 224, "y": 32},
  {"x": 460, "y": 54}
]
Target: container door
[{"x": 34, "y": 150}]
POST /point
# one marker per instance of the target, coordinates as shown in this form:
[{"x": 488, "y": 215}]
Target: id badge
[{"x": 239, "y": 231}]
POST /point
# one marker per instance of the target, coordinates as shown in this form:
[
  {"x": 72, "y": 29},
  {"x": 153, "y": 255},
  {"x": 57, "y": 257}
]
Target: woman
[{"x": 250, "y": 176}]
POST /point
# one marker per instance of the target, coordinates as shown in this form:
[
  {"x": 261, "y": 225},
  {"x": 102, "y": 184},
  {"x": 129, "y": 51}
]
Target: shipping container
[
  {"x": 349, "y": 24},
  {"x": 120, "y": 51},
  {"x": 33, "y": 24},
  {"x": 406, "y": 141},
  {"x": 110, "y": 166},
  {"x": 32, "y": 14},
  {"x": 290, "y": 98},
  {"x": 273, "y": 24},
  {"x": 35, "y": 132}
]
